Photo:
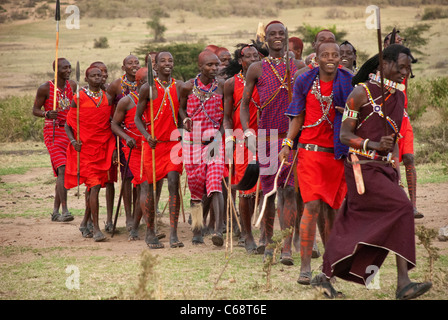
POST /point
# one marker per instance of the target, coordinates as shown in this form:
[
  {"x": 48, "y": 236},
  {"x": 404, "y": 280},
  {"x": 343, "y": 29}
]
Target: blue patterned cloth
[{"x": 342, "y": 87}]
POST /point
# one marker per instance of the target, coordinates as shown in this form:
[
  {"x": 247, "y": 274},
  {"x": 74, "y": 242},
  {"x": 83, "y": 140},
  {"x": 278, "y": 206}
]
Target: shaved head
[
  {"x": 131, "y": 56},
  {"x": 205, "y": 56}
]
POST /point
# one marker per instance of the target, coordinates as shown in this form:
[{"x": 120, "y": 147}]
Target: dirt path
[{"x": 41, "y": 233}]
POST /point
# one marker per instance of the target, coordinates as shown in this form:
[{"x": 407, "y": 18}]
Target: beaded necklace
[
  {"x": 94, "y": 94},
  {"x": 61, "y": 96},
  {"x": 377, "y": 109},
  {"x": 166, "y": 95},
  {"x": 133, "y": 96},
  {"x": 277, "y": 61},
  {"x": 325, "y": 103},
  {"x": 202, "y": 94},
  {"x": 127, "y": 85},
  {"x": 240, "y": 76},
  {"x": 389, "y": 84}
]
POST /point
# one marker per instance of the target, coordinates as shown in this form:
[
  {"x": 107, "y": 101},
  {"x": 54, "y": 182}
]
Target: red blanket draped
[
  {"x": 242, "y": 156},
  {"x": 98, "y": 142},
  {"x": 168, "y": 153}
]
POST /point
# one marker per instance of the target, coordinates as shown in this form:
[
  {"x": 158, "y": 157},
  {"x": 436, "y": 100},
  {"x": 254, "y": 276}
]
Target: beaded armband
[
  {"x": 350, "y": 114},
  {"x": 287, "y": 142}
]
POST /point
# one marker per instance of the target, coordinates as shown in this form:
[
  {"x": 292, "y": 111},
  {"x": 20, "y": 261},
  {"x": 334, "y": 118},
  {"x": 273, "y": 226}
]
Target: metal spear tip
[
  {"x": 78, "y": 72},
  {"x": 57, "y": 16}
]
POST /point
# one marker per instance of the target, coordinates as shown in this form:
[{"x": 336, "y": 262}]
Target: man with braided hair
[
  {"x": 406, "y": 140},
  {"x": 118, "y": 89},
  {"x": 245, "y": 55},
  {"x": 377, "y": 216},
  {"x": 269, "y": 77},
  {"x": 132, "y": 139}
]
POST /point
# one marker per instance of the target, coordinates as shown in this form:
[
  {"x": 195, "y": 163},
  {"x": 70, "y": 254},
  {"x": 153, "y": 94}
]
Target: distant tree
[
  {"x": 414, "y": 37},
  {"x": 156, "y": 25}
]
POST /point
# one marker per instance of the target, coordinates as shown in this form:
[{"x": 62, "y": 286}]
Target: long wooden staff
[
  {"x": 151, "y": 106},
  {"x": 121, "y": 194},
  {"x": 288, "y": 68},
  {"x": 78, "y": 76},
  {"x": 57, "y": 17},
  {"x": 231, "y": 202},
  {"x": 380, "y": 53},
  {"x": 273, "y": 191},
  {"x": 181, "y": 198}
]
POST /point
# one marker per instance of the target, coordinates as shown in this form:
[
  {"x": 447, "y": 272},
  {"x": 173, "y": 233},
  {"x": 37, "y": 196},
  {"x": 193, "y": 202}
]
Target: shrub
[
  {"x": 185, "y": 57},
  {"x": 101, "y": 43},
  {"x": 17, "y": 122},
  {"x": 434, "y": 13}
]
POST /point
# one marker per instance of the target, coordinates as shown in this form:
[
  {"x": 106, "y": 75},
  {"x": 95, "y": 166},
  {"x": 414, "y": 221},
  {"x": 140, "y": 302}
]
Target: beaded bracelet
[
  {"x": 287, "y": 142},
  {"x": 71, "y": 141},
  {"x": 230, "y": 138}
]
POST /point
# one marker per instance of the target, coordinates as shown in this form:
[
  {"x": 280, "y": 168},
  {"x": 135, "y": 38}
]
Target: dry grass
[{"x": 27, "y": 47}]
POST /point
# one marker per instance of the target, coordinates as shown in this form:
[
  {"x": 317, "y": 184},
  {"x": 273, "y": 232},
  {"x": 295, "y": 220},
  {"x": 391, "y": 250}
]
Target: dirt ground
[{"x": 41, "y": 233}]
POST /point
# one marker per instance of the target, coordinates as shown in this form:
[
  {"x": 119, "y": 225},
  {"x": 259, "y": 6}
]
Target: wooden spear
[
  {"x": 57, "y": 17},
  {"x": 78, "y": 76},
  {"x": 151, "y": 106}
]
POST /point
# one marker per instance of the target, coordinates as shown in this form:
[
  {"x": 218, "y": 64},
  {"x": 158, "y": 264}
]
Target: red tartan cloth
[
  {"x": 168, "y": 153},
  {"x": 131, "y": 130},
  {"x": 57, "y": 148},
  {"x": 98, "y": 142},
  {"x": 204, "y": 174},
  {"x": 242, "y": 156}
]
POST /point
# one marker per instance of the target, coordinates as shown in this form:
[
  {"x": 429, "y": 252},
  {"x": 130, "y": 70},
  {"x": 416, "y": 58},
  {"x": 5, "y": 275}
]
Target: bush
[
  {"x": 185, "y": 57},
  {"x": 434, "y": 13},
  {"x": 17, "y": 122},
  {"x": 101, "y": 43}
]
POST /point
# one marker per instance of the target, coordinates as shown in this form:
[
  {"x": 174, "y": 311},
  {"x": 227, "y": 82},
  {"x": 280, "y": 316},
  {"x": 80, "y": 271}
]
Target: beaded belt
[
  {"x": 315, "y": 147},
  {"x": 371, "y": 154},
  {"x": 57, "y": 124}
]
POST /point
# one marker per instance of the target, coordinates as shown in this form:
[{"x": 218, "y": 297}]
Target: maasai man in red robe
[
  {"x": 57, "y": 144},
  {"x": 377, "y": 216},
  {"x": 123, "y": 125},
  {"x": 323, "y": 35},
  {"x": 241, "y": 156},
  {"x": 118, "y": 89},
  {"x": 203, "y": 148},
  {"x": 96, "y": 146},
  {"x": 406, "y": 140},
  {"x": 168, "y": 150},
  {"x": 320, "y": 167},
  {"x": 104, "y": 72},
  {"x": 269, "y": 76}
]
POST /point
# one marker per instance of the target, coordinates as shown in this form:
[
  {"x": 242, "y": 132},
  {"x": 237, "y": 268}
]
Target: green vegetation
[{"x": 185, "y": 56}]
